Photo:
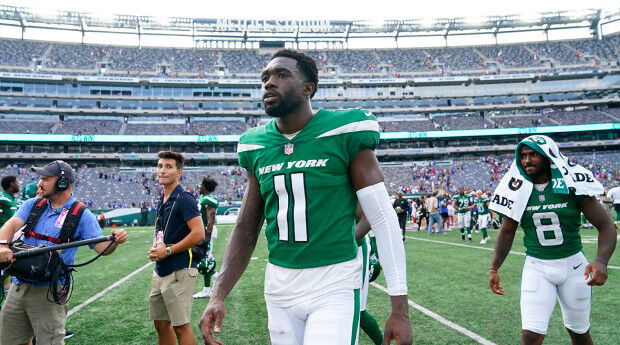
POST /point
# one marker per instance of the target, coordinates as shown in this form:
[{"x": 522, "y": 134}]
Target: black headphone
[{"x": 62, "y": 184}]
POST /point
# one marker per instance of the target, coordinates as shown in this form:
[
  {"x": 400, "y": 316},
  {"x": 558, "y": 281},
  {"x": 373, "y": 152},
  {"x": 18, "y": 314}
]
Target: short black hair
[
  {"x": 7, "y": 181},
  {"x": 178, "y": 158},
  {"x": 305, "y": 63},
  {"x": 209, "y": 184}
]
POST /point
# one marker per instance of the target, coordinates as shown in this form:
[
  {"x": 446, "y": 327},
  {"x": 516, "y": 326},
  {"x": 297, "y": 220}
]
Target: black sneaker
[{"x": 69, "y": 334}]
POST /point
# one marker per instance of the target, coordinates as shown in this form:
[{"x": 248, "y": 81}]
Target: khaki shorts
[
  {"x": 171, "y": 296},
  {"x": 27, "y": 312}
]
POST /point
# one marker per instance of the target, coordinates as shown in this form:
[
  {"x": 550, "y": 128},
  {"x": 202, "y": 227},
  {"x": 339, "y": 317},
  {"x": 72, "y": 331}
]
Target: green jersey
[
  {"x": 482, "y": 205},
  {"x": 310, "y": 204},
  {"x": 551, "y": 224},
  {"x": 7, "y": 207},
  {"x": 204, "y": 202},
  {"x": 462, "y": 201}
]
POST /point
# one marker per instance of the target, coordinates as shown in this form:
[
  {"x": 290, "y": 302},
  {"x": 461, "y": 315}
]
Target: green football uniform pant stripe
[
  {"x": 356, "y": 317},
  {"x": 364, "y": 247},
  {"x": 370, "y": 326}
]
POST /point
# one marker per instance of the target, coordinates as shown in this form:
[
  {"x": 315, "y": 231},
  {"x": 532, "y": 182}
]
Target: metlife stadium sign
[{"x": 277, "y": 25}]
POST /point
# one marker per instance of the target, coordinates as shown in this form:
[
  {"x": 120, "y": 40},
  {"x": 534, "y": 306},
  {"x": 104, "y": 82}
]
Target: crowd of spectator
[
  {"x": 111, "y": 188},
  {"x": 204, "y": 126},
  {"x": 447, "y": 60},
  {"x": 484, "y": 173}
]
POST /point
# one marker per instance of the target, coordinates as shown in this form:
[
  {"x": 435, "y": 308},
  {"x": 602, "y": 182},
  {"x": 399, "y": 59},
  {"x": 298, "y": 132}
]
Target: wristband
[
  {"x": 601, "y": 260},
  {"x": 492, "y": 271}
]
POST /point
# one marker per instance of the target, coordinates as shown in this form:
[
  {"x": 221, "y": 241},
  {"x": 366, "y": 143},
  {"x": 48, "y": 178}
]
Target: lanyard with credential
[{"x": 159, "y": 236}]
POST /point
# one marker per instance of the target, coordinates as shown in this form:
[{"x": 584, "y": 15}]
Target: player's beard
[
  {"x": 539, "y": 171},
  {"x": 287, "y": 103}
]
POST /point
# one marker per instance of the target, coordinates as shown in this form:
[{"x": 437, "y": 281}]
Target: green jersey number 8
[
  {"x": 300, "y": 233},
  {"x": 554, "y": 225}
]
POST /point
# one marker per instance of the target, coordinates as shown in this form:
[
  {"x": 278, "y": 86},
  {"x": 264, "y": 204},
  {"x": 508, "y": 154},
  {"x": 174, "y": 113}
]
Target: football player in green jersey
[
  {"x": 306, "y": 172},
  {"x": 484, "y": 215},
  {"x": 366, "y": 240},
  {"x": 464, "y": 207},
  {"x": 8, "y": 206},
  {"x": 208, "y": 208},
  {"x": 555, "y": 265}
]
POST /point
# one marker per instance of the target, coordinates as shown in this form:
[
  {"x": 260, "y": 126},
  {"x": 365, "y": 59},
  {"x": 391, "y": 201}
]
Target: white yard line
[
  {"x": 104, "y": 291},
  {"x": 442, "y": 320},
  {"x": 475, "y": 247}
]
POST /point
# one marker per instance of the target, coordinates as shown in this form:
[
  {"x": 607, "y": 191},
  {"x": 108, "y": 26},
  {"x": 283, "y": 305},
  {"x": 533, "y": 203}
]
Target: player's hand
[
  {"x": 398, "y": 327},
  {"x": 120, "y": 235},
  {"x": 599, "y": 273},
  {"x": 6, "y": 254},
  {"x": 494, "y": 283},
  {"x": 211, "y": 321},
  {"x": 157, "y": 252}
]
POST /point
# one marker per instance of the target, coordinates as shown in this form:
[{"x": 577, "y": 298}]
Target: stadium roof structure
[{"x": 296, "y": 31}]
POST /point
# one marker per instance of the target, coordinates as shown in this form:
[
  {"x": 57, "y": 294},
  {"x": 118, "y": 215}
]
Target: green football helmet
[
  {"x": 207, "y": 265},
  {"x": 374, "y": 268},
  {"x": 29, "y": 191}
]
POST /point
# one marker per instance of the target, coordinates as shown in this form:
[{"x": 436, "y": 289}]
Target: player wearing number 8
[{"x": 542, "y": 193}]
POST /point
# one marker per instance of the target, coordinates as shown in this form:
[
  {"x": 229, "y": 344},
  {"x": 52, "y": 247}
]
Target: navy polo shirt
[{"x": 173, "y": 222}]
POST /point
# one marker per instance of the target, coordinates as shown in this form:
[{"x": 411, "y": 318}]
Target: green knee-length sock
[
  {"x": 484, "y": 232},
  {"x": 370, "y": 326}
]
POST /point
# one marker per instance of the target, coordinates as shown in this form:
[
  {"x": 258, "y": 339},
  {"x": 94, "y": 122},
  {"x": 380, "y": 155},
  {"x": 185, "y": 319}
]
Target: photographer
[
  {"x": 27, "y": 310},
  {"x": 178, "y": 228}
]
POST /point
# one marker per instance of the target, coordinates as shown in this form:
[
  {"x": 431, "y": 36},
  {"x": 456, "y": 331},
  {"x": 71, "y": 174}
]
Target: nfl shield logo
[
  {"x": 541, "y": 198},
  {"x": 288, "y": 149}
]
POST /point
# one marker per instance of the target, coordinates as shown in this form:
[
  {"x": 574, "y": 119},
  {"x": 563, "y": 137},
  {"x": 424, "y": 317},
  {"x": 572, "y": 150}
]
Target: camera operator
[{"x": 27, "y": 310}]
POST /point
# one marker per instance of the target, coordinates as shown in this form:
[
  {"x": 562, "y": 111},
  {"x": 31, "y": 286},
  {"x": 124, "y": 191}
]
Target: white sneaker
[
  {"x": 484, "y": 241},
  {"x": 206, "y": 292}
]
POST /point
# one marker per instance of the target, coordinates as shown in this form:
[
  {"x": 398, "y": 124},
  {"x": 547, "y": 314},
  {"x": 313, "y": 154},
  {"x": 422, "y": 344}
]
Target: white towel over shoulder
[{"x": 513, "y": 192}]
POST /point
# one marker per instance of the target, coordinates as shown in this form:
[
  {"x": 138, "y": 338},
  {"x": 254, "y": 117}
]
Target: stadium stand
[
  {"x": 83, "y": 59},
  {"x": 113, "y": 187},
  {"x": 212, "y": 126}
]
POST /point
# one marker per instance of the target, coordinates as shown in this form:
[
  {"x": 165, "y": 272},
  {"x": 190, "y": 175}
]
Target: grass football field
[{"x": 448, "y": 280}]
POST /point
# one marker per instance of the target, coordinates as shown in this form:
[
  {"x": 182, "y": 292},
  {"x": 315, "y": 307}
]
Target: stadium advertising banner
[
  {"x": 440, "y": 80},
  {"x": 378, "y": 81},
  {"x": 32, "y": 76},
  {"x": 110, "y": 79},
  {"x": 524, "y": 76},
  {"x": 95, "y": 138},
  {"x": 177, "y": 81}
]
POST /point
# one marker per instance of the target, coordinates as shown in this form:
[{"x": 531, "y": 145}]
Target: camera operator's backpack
[
  {"x": 43, "y": 267},
  {"x": 69, "y": 225}
]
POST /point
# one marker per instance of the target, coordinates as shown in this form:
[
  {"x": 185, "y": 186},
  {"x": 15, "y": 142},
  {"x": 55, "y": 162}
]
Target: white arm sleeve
[{"x": 378, "y": 210}]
